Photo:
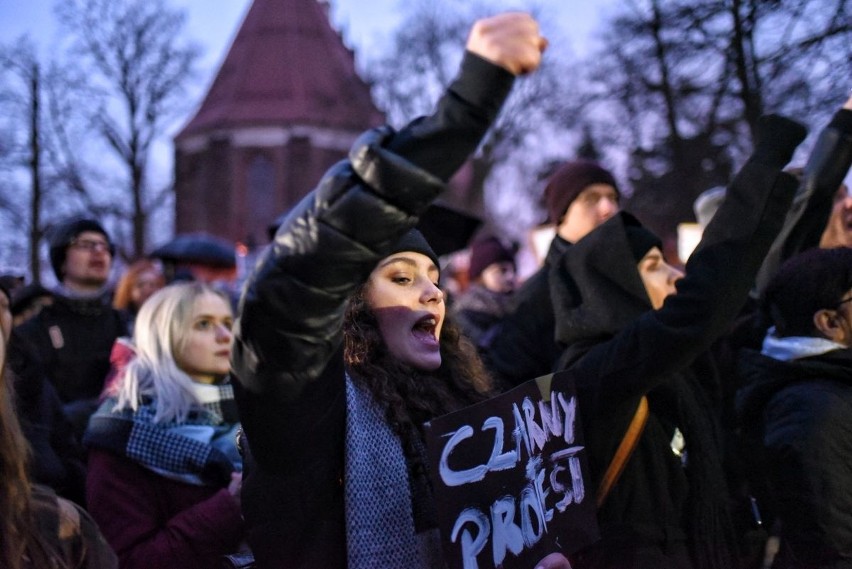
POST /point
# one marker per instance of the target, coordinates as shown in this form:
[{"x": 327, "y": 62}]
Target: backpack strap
[{"x": 624, "y": 451}]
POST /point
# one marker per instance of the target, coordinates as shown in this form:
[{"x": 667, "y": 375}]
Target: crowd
[{"x": 157, "y": 424}]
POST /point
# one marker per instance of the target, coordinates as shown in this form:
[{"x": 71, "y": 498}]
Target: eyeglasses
[
  {"x": 844, "y": 301},
  {"x": 91, "y": 245}
]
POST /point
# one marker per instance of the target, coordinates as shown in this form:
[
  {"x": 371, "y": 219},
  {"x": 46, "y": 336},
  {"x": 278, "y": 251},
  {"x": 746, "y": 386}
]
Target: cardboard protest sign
[{"x": 509, "y": 477}]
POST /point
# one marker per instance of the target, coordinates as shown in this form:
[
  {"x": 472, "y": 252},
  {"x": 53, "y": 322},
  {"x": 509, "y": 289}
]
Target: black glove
[{"x": 776, "y": 139}]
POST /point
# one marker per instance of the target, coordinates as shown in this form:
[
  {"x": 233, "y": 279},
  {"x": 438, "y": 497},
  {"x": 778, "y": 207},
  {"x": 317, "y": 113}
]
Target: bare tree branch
[{"x": 136, "y": 55}]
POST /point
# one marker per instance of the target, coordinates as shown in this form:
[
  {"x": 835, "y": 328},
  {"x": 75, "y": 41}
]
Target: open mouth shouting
[
  {"x": 426, "y": 330},
  {"x": 409, "y": 308}
]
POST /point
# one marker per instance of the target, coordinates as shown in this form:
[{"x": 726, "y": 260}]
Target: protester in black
[
  {"x": 632, "y": 339},
  {"x": 332, "y": 402},
  {"x": 796, "y": 409}
]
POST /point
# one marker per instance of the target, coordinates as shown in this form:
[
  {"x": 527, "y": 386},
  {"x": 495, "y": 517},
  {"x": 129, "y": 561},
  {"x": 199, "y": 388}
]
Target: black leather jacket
[{"x": 287, "y": 355}]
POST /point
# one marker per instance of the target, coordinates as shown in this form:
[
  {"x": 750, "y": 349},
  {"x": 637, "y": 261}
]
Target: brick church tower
[{"x": 285, "y": 105}]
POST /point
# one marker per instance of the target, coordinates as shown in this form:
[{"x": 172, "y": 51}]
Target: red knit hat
[{"x": 566, "y": 183}]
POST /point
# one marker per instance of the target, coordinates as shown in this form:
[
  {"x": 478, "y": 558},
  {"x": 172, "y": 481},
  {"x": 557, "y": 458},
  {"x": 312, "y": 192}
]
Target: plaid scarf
[{"x": 200, "y": 451}]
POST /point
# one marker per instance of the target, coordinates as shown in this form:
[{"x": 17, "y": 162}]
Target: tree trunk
[{"x": 35, "y": 171}]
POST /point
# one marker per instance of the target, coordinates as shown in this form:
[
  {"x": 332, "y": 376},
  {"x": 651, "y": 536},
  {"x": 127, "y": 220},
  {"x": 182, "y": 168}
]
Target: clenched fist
[{"x": 510, "y": 40}]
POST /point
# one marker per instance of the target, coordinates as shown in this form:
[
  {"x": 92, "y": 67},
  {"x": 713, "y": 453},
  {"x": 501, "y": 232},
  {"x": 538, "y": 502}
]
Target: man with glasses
[
  {"x": 796, "y": 408},
  {"x": 61, "y": 356}
]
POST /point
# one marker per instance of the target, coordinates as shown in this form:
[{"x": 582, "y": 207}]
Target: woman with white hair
[{"x": 164, "y": 471}]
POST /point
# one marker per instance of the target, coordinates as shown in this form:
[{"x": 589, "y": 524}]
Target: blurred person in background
[
  {"x": 838, "y": 230},
  {"x": 580, "y": 195},
  {"x": 138, "y": 282},
  {"x": 28, "y": 301},
  {"x": 482, "y": 305}
]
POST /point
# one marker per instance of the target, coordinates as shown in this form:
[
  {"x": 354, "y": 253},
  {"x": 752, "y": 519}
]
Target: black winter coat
[
  {"x": 660, "y": 514},
  {"x": 287, "y": 355},
  {"x": 67, "y": 344},
  {"x": 802, "y": 410},
  {"x": 58, "y": 459}
]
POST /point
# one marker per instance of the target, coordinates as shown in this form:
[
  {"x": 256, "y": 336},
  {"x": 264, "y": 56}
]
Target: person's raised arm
[
  {"x": 291, "y": 310},
  {"x": 498, "y": 49},
  {"x": 827, "y": 165},
  {"x": 719, "y": 274}
]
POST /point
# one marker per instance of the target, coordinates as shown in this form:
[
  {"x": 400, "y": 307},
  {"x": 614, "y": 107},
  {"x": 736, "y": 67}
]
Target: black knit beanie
[
  {"x": 414, "y": 241},
  {"x": 804, "y": 284}
]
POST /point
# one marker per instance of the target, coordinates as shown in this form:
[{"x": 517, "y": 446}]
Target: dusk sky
[{"x": 366, "y": 25}]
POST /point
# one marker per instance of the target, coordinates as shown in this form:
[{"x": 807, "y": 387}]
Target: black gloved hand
[{"x": 776, "y": 139}]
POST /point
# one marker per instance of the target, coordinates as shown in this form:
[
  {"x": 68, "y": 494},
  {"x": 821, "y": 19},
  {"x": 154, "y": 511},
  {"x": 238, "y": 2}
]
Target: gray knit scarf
[{"x": 378, "y": 504}]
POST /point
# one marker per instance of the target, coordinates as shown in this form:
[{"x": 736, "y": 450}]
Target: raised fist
[{"x": 510, "y": 40}]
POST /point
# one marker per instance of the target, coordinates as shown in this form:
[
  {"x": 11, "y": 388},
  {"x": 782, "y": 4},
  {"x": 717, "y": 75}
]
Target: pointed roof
[{"x": 286, "y": 66}]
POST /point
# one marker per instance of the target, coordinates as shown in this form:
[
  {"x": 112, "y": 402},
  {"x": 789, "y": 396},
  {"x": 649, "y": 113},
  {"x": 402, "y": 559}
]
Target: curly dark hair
[{"x": 409, "y": 396}]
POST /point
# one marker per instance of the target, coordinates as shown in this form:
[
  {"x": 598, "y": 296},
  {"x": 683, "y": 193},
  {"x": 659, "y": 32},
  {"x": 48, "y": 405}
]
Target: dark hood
[
  {"x": 762, "y": 376},
  {"x": 601, "y": 271}
]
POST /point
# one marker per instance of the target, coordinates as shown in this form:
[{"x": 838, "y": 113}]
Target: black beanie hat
[
  {"x": 804, "y": 284},
  {"x": 63, "y": 234},
  {"x": 414, "y": 241},
  {"x": 484, "y": 252},
  {"x": 641, "y": 241},
  {"x": 566, "y": 183}
]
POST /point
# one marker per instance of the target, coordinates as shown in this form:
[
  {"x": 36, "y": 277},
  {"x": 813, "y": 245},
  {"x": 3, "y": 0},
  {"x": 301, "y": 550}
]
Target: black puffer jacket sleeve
[
  {"x": 292, "y": 308},
  {"x": 291, "y": 311}
]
